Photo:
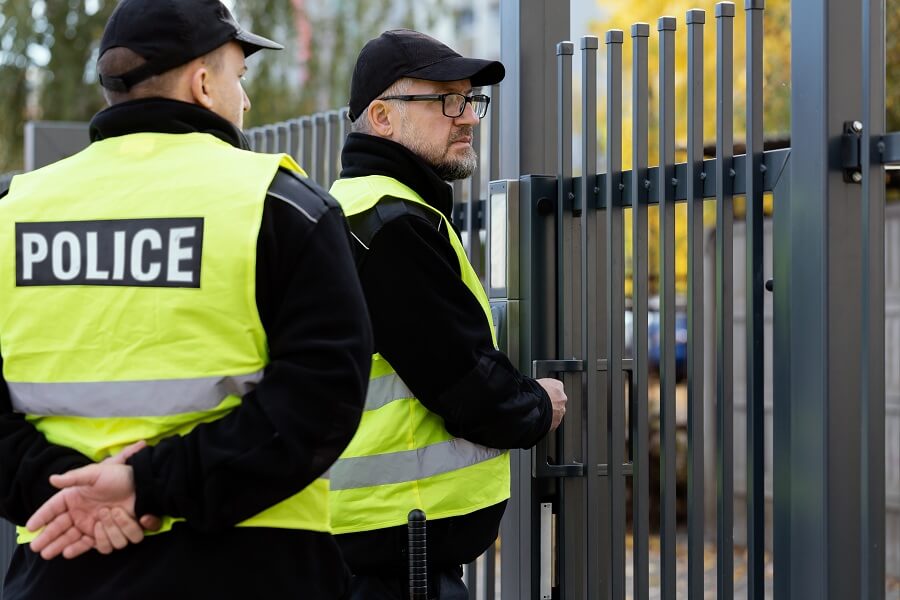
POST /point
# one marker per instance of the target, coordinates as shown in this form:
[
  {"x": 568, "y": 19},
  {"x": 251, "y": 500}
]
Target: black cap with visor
[
  {"x": 170, "y": 33},
  {"x": 405, "y": 53}
]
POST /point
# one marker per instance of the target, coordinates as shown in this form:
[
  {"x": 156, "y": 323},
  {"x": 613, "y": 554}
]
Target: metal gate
[{"x": 564, "y": 271}]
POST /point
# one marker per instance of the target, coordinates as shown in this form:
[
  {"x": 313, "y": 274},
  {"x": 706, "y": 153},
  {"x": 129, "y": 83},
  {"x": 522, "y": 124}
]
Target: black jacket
[
  {"x": 286, "y": 432},
  {"x": 432, "y": 330}
]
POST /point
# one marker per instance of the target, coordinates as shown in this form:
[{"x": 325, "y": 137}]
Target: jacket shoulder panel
[
  {"x": 367, "y": 224},
  {"x": 302, "y": 193}
]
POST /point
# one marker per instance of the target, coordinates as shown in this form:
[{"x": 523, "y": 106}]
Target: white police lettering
[
  {"x": 94, "y": 273},
  {"x": 123, "y": 252},
  {"x": 34, "y": 250},
  {"x": 144, "y": 237}
]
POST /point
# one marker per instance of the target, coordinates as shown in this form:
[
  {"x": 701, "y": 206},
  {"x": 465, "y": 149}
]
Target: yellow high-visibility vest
[
  {"x": 402, "y": 457},
  {"x": 128, "y": 296}
]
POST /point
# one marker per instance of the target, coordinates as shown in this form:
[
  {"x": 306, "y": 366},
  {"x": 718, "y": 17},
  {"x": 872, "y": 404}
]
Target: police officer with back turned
[{"x": 184, "y": 341}]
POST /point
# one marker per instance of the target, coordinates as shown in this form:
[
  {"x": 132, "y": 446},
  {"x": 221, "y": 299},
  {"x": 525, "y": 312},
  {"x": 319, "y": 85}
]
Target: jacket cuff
[{"x": 147, "y": 501}]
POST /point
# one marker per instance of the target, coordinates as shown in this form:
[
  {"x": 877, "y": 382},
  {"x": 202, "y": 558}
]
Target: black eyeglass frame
[{"x": 434, "y": 97}]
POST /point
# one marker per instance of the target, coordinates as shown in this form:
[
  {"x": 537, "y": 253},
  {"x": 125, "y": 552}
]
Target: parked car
[{"x": 653, "y": 345}]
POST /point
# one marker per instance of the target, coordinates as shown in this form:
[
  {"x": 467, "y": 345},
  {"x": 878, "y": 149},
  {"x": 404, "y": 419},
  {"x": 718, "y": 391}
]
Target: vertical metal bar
[
  {"x": 754, "y": 307},
  {"x": 305, "y": 151},
  {"x": 490, "y": 572},
  {"x": 597, "y": 559},
  {"x": 571, "y": 544},
  {"x": 695, "y": 20},
  {"x": 320, "y": 149},
  {"x": 781, "y": 385},
  {"x": 494, "y": 139},
  {"x": 259, "y": 140},
  {"x": 476, "y": 256},
  {"x": 285, "y": 141},
  {"x": 335, "y": 143},
  {"x": 872, "y": 375},
  {"x": 545, "y": 585},
  {"x": 666, "y": 192},
  {"x": 724, "y": 300},
  {"x": 640, "y": 33},
  {"x": 294, "y": 149},
  {"x": 524, "y": 127},
  {"x": 831, "y": 226},
  {"x": 271, "y": 134},
  {"x": 615, "y": 309},
  {"x": 472, "y": 579},
  {"x": 345, "y": 123}
]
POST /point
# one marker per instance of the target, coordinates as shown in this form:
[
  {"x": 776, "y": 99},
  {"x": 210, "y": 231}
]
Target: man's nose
[{"x": 468, "y": 117}]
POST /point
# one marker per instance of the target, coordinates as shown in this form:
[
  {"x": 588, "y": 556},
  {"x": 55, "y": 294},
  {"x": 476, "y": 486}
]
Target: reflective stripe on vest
[
  {"x": 410, "y": 465},
  {"x": 129, "y": 398},
  {"x": 128, "y": 300},
  {"x": 402, "y": 457}
]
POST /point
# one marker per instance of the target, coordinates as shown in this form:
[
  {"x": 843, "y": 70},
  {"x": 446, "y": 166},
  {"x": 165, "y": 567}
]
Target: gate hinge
[{"x": 851, "y": 154}]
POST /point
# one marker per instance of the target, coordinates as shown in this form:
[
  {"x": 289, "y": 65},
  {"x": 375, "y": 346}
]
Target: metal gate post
[
  {"x": 528, "y": 35},
  {"x": 834, "y": 278}
]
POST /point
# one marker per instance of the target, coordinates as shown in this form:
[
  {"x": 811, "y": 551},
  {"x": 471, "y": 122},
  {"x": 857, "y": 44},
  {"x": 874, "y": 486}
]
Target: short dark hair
[{"x": 121, "y": 60}]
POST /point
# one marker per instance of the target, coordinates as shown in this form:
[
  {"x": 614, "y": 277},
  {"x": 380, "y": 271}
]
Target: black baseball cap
[
  {"x": 405, "y": 53},
  {"x": 170, "y": 33}
]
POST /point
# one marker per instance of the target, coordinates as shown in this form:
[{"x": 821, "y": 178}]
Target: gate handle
[{"x": 540, "y": 465}]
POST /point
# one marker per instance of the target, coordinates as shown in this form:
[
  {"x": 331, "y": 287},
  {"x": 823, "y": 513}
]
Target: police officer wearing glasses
[
  {"x": 184, "y": 340},
  {"x": 444, "y": 404}
]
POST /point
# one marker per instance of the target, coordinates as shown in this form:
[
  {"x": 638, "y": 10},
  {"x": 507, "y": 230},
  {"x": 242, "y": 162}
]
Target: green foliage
[
  {"x": 48, "y": 51},
  {"x": 61, "y": 89},
  {"x": 322, "y": 39},
  {"x": 892, "y": 51},
  {"x": 17, "y": 26}
]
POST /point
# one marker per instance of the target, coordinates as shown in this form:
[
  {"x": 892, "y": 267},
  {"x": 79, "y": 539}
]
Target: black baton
[{"x": 418, "y": 556}]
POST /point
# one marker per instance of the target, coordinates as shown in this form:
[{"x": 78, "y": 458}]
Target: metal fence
[{"x": 573, "y": 246}]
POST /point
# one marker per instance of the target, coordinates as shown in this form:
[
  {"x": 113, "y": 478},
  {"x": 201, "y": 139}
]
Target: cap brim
[
  {"x": 478, "y": 71},
  {"x": 252, "y": 42}
]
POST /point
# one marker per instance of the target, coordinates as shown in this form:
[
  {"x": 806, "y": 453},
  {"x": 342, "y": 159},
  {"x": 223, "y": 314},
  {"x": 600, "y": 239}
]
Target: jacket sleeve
[
  {"x": 28, "y": 460},
  {"x": 297, "y": 421},
  {"x": 433, "y": 331}
]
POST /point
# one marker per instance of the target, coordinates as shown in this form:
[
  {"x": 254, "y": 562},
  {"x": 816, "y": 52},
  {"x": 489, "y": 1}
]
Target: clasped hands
[{"x": 94, "y": 509}]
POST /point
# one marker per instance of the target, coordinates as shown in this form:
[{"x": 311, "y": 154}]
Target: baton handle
[{"x": 418, "y": 555}]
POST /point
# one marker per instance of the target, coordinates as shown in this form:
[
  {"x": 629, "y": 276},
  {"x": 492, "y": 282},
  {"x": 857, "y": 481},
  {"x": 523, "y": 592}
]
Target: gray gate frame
[{"x": 829, "y": 304}]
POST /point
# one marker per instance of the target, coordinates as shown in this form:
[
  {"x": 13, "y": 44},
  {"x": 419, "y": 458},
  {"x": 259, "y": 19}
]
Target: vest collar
[
  {"x": 370, "y": 155},
  {"x": 163, "y": 115}
]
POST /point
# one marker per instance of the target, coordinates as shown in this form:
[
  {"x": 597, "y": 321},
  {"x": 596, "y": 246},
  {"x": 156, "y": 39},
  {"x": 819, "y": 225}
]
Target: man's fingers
[
  {"x": 83, "y": 476},
  {"x": 101, "y": 540},
  {"x": 127, "y": 452},
  {"x": 78, "y": 548},
  {"x": 55, "y": 528},
  {"x": 151, "y": 522},
  {"x": 56, "y": 546},
  {"x": 130, "y": 528},
  {"x": 113, "y": 532},
  {"x": 116, "y": 535},
  {"x": 52, "y": 508}
]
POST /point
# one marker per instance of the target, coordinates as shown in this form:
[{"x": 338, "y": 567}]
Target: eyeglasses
[{"x": 453, "y": 105}]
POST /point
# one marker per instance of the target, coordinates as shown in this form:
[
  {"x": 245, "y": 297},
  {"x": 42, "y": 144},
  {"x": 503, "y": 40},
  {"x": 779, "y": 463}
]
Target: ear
[
  {"x": 380, "y": 116},
  {"x": 199, "y": 82}
]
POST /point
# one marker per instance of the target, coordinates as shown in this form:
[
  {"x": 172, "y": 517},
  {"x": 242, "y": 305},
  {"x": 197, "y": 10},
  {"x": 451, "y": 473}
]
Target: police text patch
[{"x": 125, "y": 252}]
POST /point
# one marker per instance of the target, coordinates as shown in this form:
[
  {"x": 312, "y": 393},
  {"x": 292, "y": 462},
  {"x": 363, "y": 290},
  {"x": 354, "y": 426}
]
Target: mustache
[{"x": 463, "y": 132}]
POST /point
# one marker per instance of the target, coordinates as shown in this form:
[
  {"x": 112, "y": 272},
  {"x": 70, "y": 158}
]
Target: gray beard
[
  {"x": 454, "y": 170},
  {"x": 448, "y": 170}
]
